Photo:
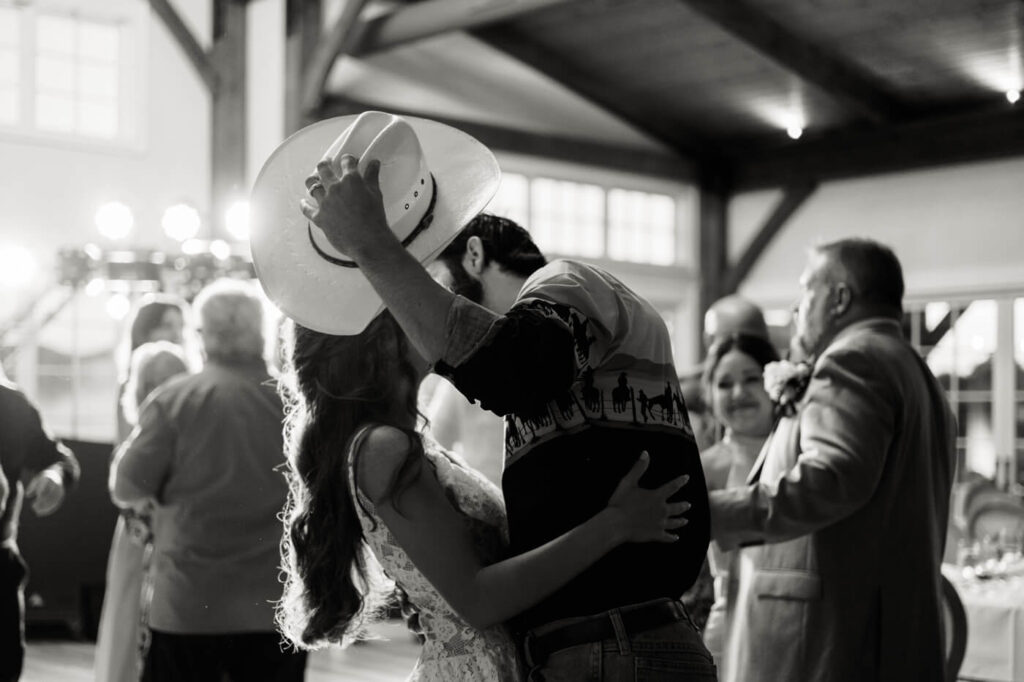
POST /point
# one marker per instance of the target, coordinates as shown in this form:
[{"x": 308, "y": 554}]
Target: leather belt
[{"x": 599, "y": 627}]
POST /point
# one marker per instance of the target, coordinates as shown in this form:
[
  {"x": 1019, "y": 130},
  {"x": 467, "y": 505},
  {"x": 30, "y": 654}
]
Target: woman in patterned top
[{"x": 364, "y": 482}]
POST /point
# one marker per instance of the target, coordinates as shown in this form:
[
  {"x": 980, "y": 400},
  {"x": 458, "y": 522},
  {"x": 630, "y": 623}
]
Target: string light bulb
[{"x": 114, "y": 220}]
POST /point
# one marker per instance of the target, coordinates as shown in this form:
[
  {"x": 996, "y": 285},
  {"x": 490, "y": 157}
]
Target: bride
[{"x": 363, "y": 480}]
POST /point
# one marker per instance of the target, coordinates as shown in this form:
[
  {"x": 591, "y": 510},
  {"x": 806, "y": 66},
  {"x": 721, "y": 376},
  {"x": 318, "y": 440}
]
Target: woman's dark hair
[
  {"x": 332, "y": 386},
  {"x": 505, "y": 242},
  {"x": 758, "y": 348},
  {"x": 147, "y": 317},
  {"x": 150, "y": 315}
]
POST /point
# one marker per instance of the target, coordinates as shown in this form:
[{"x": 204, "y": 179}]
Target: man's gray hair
[
  {"x": 231, "y": 320},
  {"x": 873, "y": 271}
]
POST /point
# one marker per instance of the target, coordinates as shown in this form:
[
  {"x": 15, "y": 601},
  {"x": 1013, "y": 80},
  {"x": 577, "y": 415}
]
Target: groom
[
  {"x": 843, "y": 522},
  {"x": 581, "y": 368}
]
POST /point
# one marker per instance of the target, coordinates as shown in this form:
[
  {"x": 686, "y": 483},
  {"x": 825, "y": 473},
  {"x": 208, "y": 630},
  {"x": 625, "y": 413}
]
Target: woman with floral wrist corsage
[{"x": 734, "y": 383}]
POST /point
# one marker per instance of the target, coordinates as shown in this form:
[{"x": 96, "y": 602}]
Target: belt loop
[{"x": 621, "y": 636}]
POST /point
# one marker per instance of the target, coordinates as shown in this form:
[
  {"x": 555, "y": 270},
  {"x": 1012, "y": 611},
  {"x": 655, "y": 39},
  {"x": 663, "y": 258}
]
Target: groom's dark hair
[
  {"x": 505, "y": 242},
  {"x": 873, "y": 270}
]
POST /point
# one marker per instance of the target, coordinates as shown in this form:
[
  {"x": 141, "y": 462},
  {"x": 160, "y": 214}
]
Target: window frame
[
  {"x": 1005, "y": 395},
  {"x": 684, "y": 195},
  {"x": 130, "y": 19}
]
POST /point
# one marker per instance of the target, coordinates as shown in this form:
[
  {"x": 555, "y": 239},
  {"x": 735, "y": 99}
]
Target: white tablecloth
[{"x": 995, "y": 627}]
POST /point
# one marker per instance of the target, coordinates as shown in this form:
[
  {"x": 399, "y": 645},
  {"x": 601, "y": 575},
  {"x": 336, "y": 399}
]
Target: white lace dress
[{"x": 454, "y": 650}]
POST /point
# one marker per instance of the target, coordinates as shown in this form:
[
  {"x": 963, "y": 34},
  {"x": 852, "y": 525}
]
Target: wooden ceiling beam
[
  {"x": 195, "y": 53},
  {"x": 792, "y": 199},
  {"x": 412, "y": 22},
  {"x": 555, "y": 147},
  {"x": 966, "y": 138},
  {"x": 597, "y": 92},
  {"x": 842, "y": 81}
]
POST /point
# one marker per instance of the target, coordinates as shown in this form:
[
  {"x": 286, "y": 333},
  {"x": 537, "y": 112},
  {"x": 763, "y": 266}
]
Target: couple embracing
[{"x": 387, "y": 273}]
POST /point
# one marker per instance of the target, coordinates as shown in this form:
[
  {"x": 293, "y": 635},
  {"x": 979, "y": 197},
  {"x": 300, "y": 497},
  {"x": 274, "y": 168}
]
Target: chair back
[
  {"x": 954, "y": 620},
  {"x": 995, "y": 515}
]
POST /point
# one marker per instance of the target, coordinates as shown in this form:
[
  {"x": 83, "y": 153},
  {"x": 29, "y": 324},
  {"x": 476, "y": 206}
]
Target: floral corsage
[{"x": 785, "y": 383}]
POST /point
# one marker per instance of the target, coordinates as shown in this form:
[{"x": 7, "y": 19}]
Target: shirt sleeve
[
  {"x": 142, "y": 464},
  {"x": 525, "y": 357},
  {"x": 846, "y": 430},
  {"x": 45, "y": 451}
]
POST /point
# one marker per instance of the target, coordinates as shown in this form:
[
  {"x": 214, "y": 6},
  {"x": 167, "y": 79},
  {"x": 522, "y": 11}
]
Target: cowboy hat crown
[{"x": 433, "y": 179}]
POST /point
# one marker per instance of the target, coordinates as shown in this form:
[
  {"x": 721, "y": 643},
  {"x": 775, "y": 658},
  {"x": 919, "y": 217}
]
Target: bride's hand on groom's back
[{"x": 645, "y": 514}]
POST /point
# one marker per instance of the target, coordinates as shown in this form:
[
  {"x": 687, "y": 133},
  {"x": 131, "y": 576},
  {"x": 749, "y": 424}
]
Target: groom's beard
[{"x": 462, "y": 284}]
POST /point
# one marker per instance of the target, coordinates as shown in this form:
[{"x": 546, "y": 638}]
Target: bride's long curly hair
[{"x": 332, "y": 386}]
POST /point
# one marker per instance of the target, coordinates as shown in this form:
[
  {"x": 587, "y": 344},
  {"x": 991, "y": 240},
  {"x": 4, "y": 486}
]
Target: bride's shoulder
[{"x": 379, "y": 457}]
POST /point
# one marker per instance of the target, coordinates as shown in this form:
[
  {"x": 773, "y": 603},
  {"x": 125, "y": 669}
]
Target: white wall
[{"x": 956, "y": 230}]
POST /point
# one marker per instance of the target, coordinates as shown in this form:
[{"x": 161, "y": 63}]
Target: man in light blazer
[{"x": 843, "y": 520}]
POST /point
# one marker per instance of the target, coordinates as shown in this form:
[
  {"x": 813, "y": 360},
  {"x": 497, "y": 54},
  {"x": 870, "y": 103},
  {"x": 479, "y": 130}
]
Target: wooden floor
[{"x": 373, "y": 661}]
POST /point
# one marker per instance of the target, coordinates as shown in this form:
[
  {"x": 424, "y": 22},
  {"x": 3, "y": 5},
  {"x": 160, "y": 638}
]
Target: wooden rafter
[
  {"x": 420, "y": 20},
  {"x": 792, "y": 199},
  {"x": 994, "y": 134},
  {"x": 573, "y": 150},
  {"x": 193, "y": 50},
  {"x": 811, "y": 62},
  {"x": 554, "y": 66},
  {"x": 328, "y": 50}
]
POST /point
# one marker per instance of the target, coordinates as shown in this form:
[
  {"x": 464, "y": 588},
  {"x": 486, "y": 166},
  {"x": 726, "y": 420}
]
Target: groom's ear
[
  {"x": 842, "y": 299},
  {"x": 476, "y": 258}
]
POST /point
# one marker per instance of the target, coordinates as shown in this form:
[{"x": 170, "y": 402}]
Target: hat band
[{"x": 422, "y": 225}]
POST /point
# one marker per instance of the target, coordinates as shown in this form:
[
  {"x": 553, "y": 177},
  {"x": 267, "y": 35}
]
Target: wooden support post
[
  {"x": 229, "y": 130},
  {"x": 713, "y": 185},
  {"x": 303, "y": 27}
]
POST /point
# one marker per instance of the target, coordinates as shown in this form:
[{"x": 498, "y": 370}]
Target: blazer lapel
[{"x": 779, "y": 436}]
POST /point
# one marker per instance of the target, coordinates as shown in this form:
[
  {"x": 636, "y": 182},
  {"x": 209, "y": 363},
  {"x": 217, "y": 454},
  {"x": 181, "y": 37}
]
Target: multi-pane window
[
  {"x": 62, "y": 72},
  {"x": 1018, "y": 394},
  {"x": 513, "y": 199},
  {"x": 76, "y": 76},
  {"x": 976, "y": 350},
  {"x": 641, "y": 227},
  {"x": 567, "y": 217},
  {"x": 570, "y": 218},
  {"x": 10, "y": 65}
]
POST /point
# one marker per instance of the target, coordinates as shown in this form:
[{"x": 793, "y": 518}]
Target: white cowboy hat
[{"x": 427, "y": 169}]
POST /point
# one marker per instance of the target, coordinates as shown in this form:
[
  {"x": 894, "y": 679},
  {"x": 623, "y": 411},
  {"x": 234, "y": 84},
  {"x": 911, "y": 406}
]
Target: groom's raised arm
[{"x": 846, "y": 429}]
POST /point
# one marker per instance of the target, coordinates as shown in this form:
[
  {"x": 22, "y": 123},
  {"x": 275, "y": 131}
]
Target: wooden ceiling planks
[{"x": 720, "y": 82}]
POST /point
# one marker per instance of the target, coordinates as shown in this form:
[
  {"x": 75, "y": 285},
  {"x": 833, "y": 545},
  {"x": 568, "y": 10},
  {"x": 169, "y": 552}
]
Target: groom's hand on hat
[{"x": 349, "y": 207}]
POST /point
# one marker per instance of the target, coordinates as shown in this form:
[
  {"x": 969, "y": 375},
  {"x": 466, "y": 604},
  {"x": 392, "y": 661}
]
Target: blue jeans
[{"x": 672, "y": 652}]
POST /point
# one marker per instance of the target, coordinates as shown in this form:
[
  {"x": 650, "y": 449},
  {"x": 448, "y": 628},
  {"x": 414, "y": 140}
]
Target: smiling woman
[{"x": 734, "y": 386}]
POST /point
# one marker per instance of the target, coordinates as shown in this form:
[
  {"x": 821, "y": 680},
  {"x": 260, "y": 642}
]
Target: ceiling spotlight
[
  {"x": 237, "y": 219},
  {"x": 794, "y": 132},
  {"x": 114, "y": 220},
  {"x": 1012, "y": 96},
  {"x": 181, "y": 222}
]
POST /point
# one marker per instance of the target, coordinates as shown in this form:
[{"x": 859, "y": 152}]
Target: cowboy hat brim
[{"x": 329, "y": 298}]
